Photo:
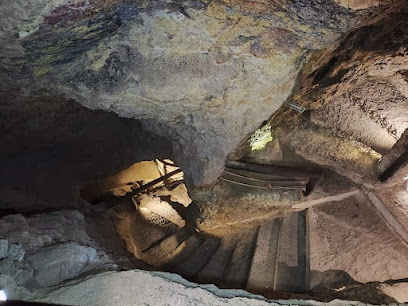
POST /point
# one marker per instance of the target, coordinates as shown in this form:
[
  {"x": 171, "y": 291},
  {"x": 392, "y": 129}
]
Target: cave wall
[
  {"x": 51, "y": 147},
  {"x": 365, "y": 75},
  {"x": 203, "y": 73},
  {"x": 355, "y": 96},
  {"x": 203, "y": 76}
]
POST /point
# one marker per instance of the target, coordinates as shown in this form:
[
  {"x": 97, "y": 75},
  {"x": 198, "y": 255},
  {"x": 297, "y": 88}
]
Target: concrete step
[
  {"x": 181, "y": 253},
  {"x": 213, "y": 272},
  {"x": 236, "y": 273},
  {"x": 167, "y": 245},
  {"x": 291, "y": 273},
  {"x": 198, "y": 258},
  {"x": 262, "y": 272}
]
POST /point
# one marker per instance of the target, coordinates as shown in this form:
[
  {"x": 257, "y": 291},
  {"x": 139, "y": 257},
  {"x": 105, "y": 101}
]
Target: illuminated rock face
[
  {"x": 203, "y": 74},
  {"x": 358, "y": 4}
]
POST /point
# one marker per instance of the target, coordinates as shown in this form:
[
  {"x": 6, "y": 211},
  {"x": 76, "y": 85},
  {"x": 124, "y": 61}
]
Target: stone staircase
[{"x": 269, "y": 257}]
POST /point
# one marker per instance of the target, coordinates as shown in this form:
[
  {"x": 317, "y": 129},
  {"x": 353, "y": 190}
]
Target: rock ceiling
[
  {"x": 206, "y": 74},
  {"x": 88, "y": 88}
]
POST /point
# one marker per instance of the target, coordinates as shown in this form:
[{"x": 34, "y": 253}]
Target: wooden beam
[
  {"x": 109, "y": 196},
  {"x": 262, "y": 176},
  {"x": 394, "y": 167},
  {"x": 274, "y": 170},
  {"x": 255, "y": 180},
  {"x": 274, "y": 215},
  {"x": 270, "y": 185},
  {"x": 335, "y": 198},
  {"x": 152, "y": 183}
]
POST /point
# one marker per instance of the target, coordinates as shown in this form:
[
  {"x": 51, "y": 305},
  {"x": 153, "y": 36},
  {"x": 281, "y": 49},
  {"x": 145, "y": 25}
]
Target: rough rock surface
[
  {"x": 52, "y": 257},
  {"x": 148, "y": 288},
  {"x": 41, "y": 230},
  {"x": 11, "y": 250},
  {"x": 351, "y": 237},
  {"x": 358, "y": 4},
  {"x": 352, "y": 120},
  {"x": 51, "y": 147},
  {"x": 399, "y": 291},
  {"x": 367, "y": 71},
  {"x": 57, "y": 263},
  {"x": 45, "y": 249},
  {"x": 204, "y": 74},
  {"x": 356, "y": 96},
  {"x": 349, "y": 158}
]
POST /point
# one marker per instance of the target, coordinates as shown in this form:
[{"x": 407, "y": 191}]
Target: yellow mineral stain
[
  {"x": 98, "y": 56},
  {"x": 41, "y": 70}
]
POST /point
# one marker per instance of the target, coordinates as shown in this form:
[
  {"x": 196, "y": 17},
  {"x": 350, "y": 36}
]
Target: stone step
[
  {"x": 146, "y": 228},
  {"x": 213, "y": 271},
  {"x": 163, "y": 209},
  {"x": 167, "y": 245},
  {"x": 236, "y": 273},
  {"x": 291, "y": 274},
  {"x": 181, "y": 253},
  {"x": 198, "y": 258},
  {"x": 262, "y": 273}
]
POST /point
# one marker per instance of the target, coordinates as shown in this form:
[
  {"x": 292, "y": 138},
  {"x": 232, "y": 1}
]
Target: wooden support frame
[
  {"x": 270, "y": 176},
  {"x": 394, "y": 167},
  {"x": 130, "y": 195},
  {"x": 274, "y": 170}
]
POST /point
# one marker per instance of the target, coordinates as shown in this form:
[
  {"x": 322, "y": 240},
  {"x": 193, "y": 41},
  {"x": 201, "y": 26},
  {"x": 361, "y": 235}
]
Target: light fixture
[
  {"x": 261, "y": 137},
  {"x": 3, "y": 295}
]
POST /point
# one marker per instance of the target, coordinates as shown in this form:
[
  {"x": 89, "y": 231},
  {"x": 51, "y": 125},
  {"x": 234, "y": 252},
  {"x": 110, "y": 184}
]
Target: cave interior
[{"x": 149, "y": 148}]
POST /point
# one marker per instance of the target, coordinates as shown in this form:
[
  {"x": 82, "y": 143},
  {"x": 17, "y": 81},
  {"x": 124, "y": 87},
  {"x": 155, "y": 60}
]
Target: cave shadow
[
  {"x": 191, "y": 214},
  {"x": 338, "y": 284}
]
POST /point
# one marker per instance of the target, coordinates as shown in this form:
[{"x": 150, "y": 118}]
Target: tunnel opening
[
  {"x": 142, "y": 178},
  {"x": 153, "y": 211}
]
